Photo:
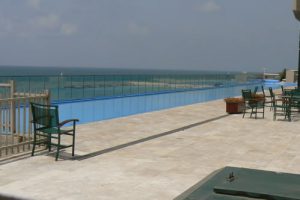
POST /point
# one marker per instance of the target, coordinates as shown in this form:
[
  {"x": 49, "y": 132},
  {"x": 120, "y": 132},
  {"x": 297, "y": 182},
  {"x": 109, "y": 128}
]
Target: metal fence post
[
  {"x": 48, "y": 97},
  {"x": 13, "y": 106}
]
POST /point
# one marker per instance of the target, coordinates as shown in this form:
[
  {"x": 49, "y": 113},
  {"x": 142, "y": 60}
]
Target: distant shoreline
[{"x": 56, "y": 71}]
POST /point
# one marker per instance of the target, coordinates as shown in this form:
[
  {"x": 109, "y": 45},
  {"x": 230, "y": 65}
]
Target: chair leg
[
  {"x": 73, "y": 146},
  {"x": 256, "y": 112},
  {"x": 58, "y": 147},
  {"x": 49, "y": 142},
  {"x": 286, "y": 113},
  {"x": 34, "y": 143}
]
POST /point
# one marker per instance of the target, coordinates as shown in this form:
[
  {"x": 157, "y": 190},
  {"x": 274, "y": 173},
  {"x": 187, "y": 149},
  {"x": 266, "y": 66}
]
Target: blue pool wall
[{"x": 90, "y": 110}]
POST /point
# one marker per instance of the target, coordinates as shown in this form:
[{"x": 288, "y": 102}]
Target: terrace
[{"x": 155, "y": 155}]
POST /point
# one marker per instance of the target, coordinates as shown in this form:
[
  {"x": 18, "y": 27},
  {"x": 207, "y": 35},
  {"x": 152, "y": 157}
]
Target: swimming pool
[
  {"x": 102, "y": 109},
  {"x": 91, "y": 110}
]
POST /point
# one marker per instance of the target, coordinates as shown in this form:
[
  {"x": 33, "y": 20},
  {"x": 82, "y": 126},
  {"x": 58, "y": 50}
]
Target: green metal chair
[
  {"x": 47, "y": 127},
  {"x": 268, "y": 98},
  {"x": 295, "y": 101},
  {"x": 253, "y": 104},
  {"x": 281, "y": 107}
]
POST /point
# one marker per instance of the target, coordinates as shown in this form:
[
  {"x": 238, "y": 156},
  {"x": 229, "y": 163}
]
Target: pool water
[{"x": 96, "y": 110}]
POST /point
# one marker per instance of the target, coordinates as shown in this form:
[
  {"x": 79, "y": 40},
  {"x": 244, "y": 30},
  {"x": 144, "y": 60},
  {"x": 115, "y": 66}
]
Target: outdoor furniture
[
  {"x": 233, "y": 183},
  {"x": 47, "y": 127},
  {"x": 255, "y": 90},
  {"x": 269, "y": 99},
  {"x": 287, "y": 92},
  {"x": 253, "y": 103},
  {"x": 290, "y": 104},
  {"x": 263, "y": 91},
  {"x": 281, "y": 106},
  {"x": 295, "y": 101}
]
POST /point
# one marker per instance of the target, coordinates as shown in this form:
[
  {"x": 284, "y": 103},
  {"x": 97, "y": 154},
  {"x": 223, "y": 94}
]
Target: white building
[{"x": 271, "y": 76}]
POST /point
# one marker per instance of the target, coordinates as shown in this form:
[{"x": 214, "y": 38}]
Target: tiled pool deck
[{"x": 150, "y": 156}]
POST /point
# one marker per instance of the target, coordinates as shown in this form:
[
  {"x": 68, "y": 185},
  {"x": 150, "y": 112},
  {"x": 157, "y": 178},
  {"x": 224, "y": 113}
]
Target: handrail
[
  {"x": 15, "y": 117},
  {"x": 5, "y": 85},
  {"x": 70, "y": 87}
]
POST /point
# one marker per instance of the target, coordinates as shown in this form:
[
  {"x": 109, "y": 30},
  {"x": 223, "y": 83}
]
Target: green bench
[{"x": 231, "y": 183}]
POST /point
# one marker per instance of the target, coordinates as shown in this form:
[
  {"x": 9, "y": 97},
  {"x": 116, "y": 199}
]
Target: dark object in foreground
[
  {"x": 231, "y": 183},
  {"x": 47, "y": 127}
]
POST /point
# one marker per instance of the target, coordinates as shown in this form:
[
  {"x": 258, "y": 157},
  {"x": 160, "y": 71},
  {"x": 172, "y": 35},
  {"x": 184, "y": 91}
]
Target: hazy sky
[{"x": 243, "y": 35}]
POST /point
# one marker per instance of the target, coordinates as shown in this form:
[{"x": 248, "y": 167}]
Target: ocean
[{"x": 54, "y": 71}]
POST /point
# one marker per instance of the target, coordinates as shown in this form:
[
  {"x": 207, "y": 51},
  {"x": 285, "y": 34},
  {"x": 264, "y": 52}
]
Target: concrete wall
[{"x": 291, "y": 76}]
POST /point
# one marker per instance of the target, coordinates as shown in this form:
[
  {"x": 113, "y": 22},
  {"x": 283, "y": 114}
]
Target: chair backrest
[
  {"x": 287, "y": 92},
  {"x": 44, "y": 115},
  {"x": 271, "y": 92},
  {"x": 297, "y": 90},
  {"x": 247, "y": 95},
  {"x": 263, "y": 90},
  {"x": 272, "y": 95},
  {"x": 295, "y": 94},
  {"x": 255, "y": 90}
]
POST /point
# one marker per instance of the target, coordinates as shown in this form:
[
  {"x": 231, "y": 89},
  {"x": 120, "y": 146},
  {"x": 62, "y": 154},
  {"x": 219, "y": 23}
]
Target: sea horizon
[{"x": 11, "y": 70}]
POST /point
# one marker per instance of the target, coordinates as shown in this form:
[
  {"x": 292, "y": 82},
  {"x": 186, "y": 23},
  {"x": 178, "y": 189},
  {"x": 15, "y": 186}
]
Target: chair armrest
[
  {"x": 68, "y": 121},
  {"x": 255, "y": 100}
]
